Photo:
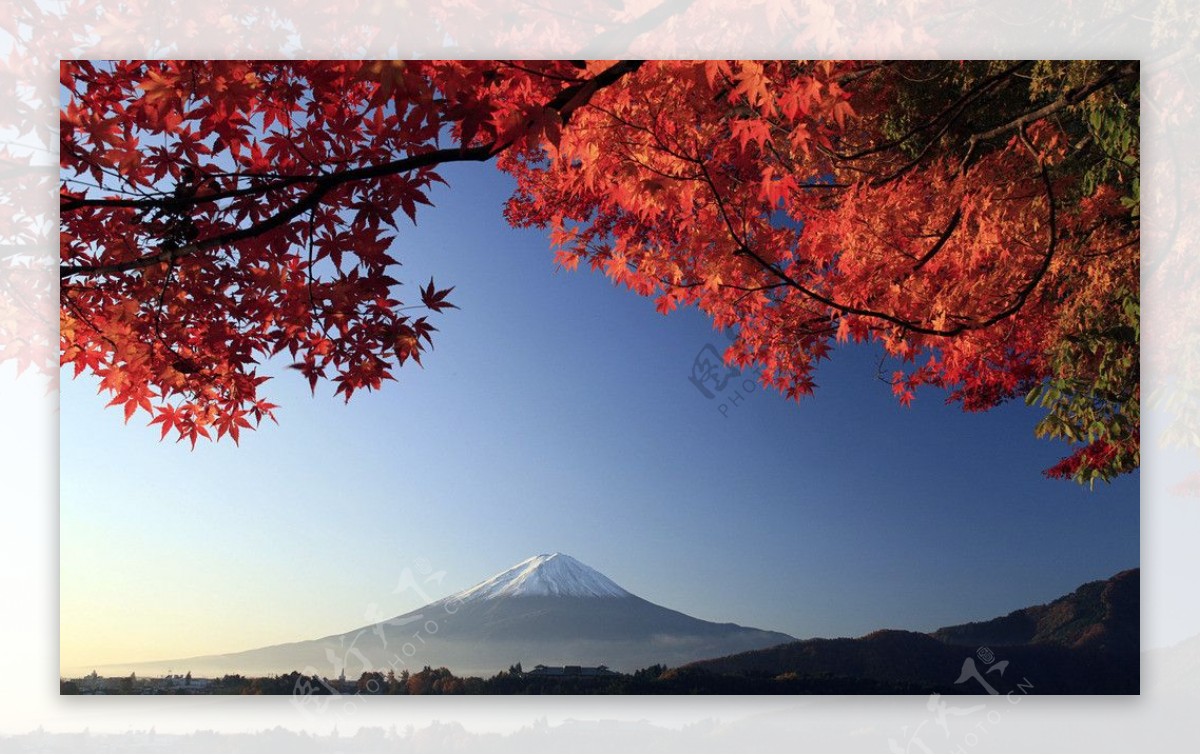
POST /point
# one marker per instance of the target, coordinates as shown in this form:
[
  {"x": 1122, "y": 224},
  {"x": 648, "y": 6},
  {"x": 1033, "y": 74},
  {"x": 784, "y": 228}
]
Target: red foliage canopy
[{"x": 977, "y": 220}]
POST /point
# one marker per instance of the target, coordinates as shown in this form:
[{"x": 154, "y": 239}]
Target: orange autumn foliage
[{"x": 978, "y": 221}]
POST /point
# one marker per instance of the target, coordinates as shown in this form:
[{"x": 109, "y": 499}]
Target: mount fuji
[{"x": 549, "y": 609}]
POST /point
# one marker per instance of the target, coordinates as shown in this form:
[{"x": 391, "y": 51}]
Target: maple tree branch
[
  {"x": 1112, "y": 251},
  {"x": 846, "y": 78},
  {"x": 84, "y": 157},
  {"x": 326, "y": 180},
  {"x": 754, "y": 289},
  {"x": 566, "y": 102},
  {"x": 646, "y": 166},
  {"x": 1019, "y": 301},
  {"x": 162, "y": 298},
  {"x": 543, "y": 74},
  {"x": 941, "y": 242},
  {"x": 180, "y": 360},
  {"x": 950, "y": 112},
  {"x": 312, "y": 304},
  {"x": 1072, "y": 97},
  {"x": 654, "y": 133},
  {"x": 1051, "y": 248},
  {"x": 574, "y": 97},
  {"x": 879, "y": 371},
  {"x": 957, "y": 112},
  {"x": 66, "y": 297}
]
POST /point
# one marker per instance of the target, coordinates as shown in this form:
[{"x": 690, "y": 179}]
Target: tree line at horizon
[{"x": 656, "y": 679}]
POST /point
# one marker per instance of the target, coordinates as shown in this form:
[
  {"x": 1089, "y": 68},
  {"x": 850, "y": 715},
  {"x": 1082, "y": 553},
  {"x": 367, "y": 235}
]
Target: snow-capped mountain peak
[{"x": 550, "y": 574}]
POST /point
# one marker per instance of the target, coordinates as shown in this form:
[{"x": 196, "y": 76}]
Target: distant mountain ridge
[
  {"x": 549, "y": 609},
  {"x": 1086, "y": 642},
  {"x": 552, "y": 609},
  {"x": 1103, "y": 614}
]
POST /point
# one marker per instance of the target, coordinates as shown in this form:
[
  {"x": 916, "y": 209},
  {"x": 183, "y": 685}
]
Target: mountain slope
[
  {"x": 1083, "y": 643},
  {"x": 1101, "y": 614},
  {"x": 550, "y": 609}
]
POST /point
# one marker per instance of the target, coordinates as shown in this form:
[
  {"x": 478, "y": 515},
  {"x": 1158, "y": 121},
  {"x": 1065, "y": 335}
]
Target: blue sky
[{"x": 556, "y": 414}]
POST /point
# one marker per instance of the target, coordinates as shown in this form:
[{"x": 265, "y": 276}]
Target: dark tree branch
[
  {"x": 950, "y": 112},
  {"x": 1018, "y": 302},
  {"x": 565, "y": 103},
  {"x": 941, "y": 242},
  {"x": 1072, "y": 97}
]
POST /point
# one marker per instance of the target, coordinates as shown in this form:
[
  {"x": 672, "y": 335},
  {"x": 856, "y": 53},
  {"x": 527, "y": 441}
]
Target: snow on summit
[{"x": 555, "y": 574}]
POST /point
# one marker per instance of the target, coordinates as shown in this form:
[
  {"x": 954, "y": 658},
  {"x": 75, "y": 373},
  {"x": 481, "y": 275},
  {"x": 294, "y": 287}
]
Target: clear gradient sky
[{"x": 555, "y": 414}]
